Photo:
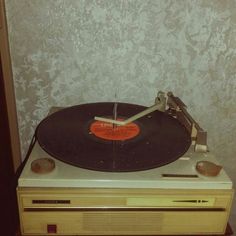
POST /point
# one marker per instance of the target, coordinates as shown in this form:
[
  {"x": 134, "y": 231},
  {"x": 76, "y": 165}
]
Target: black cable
[{"x": 22, "y": 165}]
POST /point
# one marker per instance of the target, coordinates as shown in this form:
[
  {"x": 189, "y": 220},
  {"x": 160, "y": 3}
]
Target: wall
[{"x": 67, "y": 52}]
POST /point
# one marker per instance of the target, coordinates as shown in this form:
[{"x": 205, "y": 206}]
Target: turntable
[{"x": 123, "y": 169}]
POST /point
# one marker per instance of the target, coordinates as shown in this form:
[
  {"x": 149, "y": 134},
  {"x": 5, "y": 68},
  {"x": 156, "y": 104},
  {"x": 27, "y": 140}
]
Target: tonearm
[{"x": 177, "y": 109}]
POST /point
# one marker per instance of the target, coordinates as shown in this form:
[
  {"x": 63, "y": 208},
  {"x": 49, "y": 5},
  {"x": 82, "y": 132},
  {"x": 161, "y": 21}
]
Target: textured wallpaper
[{"x": 67, "y": 52}]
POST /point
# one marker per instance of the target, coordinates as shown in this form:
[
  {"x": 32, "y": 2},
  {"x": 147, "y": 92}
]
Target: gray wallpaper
[{"x": 67, "y": 52}]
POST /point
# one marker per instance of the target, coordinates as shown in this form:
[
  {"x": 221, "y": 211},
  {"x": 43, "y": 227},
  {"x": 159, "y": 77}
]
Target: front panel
[{"x": 123, "y": 212}]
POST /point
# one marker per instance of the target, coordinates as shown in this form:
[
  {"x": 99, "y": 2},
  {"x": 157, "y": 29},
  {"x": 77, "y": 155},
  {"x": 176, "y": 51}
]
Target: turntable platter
[{"x": 74, "y": 137}]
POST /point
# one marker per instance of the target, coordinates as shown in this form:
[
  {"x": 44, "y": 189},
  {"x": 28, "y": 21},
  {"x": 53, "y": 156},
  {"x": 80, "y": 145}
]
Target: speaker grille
[{"x": 122, "y": 221}]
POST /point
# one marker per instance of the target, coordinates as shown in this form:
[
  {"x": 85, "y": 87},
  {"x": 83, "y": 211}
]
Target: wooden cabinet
[
  {"x": 123, "y": 211},
  {"x": 9, "y": 145},
  {"x": 8, "y": 89}
]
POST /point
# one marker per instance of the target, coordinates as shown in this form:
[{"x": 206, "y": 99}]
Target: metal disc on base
[{"x": 43, "y": 165}]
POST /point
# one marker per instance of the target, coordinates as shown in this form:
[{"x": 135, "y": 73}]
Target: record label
[{"x": 109, "y": 131}]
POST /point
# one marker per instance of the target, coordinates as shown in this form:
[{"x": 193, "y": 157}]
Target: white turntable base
[
  {"x": 76, "y": 201},
  {"x": 185, "y": 175}
]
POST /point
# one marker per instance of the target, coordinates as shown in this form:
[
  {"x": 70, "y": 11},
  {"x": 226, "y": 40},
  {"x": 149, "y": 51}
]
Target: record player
[{"x": 123, "y": 169}]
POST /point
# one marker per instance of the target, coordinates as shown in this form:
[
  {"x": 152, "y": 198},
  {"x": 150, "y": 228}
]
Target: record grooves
[{"x": 153, "y": 141}]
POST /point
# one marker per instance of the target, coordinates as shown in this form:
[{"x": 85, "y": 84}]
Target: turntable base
[
  {"x": 71, "y": 211},
  {"x": 121, "y": 188}
]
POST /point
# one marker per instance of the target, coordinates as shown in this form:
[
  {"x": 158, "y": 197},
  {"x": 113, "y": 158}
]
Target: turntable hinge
[{"x": 198, "y": 135}]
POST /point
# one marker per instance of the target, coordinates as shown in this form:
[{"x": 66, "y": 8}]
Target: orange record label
[{"x": 109, "y": 131}]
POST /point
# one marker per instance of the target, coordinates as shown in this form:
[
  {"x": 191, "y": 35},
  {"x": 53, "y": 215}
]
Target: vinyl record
[{"x": 73, "y": 136}]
